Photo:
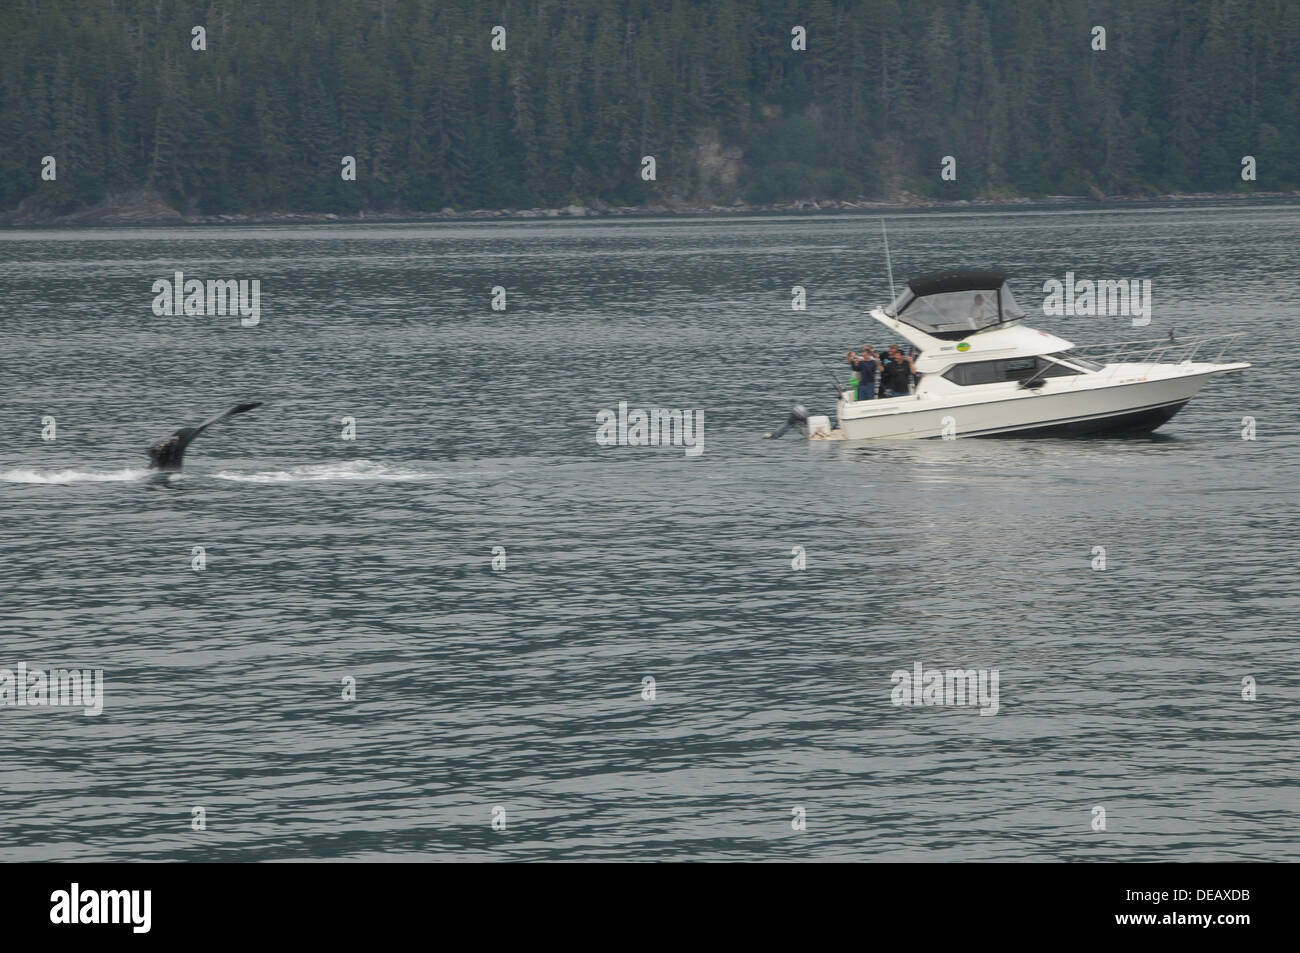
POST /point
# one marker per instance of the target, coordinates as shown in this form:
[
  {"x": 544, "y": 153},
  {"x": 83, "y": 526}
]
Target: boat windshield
[
  {"x": 1078, "y": 360},
  {"x": 954, "y": 305}
]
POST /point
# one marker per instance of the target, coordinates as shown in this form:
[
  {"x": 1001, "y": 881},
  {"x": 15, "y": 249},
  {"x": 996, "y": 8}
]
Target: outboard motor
[{"x": 798, "y": 417}]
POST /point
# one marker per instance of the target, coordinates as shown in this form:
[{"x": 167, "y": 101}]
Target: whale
[{"x": 168, "y": 453}]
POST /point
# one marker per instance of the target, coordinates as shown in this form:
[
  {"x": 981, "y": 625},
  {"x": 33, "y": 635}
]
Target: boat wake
[
  {"x": 352, "y": 470},
  {"x": 72, "y": 476}
]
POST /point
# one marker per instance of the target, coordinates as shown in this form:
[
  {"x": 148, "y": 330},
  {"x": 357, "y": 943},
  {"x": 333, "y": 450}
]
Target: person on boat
[
  {"x": 896, "y": 373},
  {"x": 851, "y": 358},
  {"x": 867, "y": 368}
]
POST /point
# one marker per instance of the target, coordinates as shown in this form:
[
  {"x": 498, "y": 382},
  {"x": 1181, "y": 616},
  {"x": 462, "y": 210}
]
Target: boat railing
[{"x": 1161, "y": 350}]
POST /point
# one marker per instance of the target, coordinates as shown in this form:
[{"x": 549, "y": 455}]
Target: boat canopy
[{"x": 951, "y": 305}]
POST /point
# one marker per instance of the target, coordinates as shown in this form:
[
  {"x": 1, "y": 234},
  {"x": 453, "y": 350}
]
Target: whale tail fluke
[
  {"x": 168, "y": 453},
  {"x": 237, "y": 409}
]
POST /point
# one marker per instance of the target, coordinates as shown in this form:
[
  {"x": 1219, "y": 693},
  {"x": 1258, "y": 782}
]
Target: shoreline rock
[
  {"x": 137, "y": 207},
  {"x": 147, "y": 207}
]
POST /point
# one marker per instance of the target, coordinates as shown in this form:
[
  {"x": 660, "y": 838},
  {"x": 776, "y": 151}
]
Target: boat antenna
[{"x": 888, "y": 262}]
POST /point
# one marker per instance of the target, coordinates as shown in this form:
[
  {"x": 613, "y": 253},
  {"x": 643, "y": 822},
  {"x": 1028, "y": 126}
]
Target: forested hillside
[{"x": 585, "y": 88}]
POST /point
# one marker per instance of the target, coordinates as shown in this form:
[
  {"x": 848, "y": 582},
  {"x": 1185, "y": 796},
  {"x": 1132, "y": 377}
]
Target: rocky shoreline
[{"x": 145, "y": 207}]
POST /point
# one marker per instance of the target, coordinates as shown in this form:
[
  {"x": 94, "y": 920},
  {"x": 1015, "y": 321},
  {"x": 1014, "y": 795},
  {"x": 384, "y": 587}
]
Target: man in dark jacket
[{"x": 896, "y": 373}]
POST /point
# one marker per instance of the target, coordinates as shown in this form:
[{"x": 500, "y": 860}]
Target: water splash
[
  {"x": 72, "y": 476},
  {"x": 352, "y": 470}
]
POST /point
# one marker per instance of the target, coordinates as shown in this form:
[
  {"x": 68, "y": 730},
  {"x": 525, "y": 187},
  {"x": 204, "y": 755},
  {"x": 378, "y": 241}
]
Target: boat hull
[
  {"x": 1132, "y": 422},
  {"x": 1135, "y": 407}
]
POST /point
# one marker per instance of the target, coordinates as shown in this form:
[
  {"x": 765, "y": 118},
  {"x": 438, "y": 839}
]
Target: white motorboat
[{"x": 984, "y": 372}]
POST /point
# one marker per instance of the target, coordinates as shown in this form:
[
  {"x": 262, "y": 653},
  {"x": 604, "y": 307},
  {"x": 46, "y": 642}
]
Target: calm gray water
[{"x": 522, "y": 689}]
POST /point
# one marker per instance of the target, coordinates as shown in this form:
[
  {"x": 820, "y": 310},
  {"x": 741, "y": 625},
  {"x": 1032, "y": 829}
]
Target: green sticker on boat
[{"x": 963, "y": 346}]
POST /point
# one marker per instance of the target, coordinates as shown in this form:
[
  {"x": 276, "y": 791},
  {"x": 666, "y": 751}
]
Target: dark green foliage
[{"x": 435, "y": 118}]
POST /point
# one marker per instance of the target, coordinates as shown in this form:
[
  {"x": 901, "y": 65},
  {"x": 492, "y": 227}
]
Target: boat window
[
  {"x": 966, "y": 311},
  {"x": 1010, "y": 369},
  {"x": 956, "y": 314}
]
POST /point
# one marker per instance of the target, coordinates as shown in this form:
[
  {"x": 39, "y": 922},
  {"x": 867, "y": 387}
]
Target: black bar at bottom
[{"x": 332, "y": 902}]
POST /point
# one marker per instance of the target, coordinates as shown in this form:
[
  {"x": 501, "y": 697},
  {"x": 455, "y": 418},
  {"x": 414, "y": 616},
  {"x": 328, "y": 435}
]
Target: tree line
[{"x": 1016, "y": 92}]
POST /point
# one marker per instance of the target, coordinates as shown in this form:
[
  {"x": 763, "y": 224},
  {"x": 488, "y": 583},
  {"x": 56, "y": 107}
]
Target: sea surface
[{"x": 503, "y": 713}]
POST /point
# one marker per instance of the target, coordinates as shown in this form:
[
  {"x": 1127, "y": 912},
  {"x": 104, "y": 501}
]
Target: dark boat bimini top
[{"x": 942, "y": 282}]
